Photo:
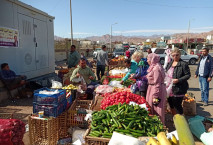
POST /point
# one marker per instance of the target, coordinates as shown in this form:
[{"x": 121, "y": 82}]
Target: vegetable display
[
  {"x": 121, "y": 97},
  {"x": 126, "y": 119}
]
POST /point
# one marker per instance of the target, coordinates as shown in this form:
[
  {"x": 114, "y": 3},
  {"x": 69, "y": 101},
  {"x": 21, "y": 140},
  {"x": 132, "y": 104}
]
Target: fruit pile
[
  {"x": 121, "y": 97},
  {"x": 189, "y": 98},
  {"x": 70, "y": 87},
  {"x": 125, "y": 119}
]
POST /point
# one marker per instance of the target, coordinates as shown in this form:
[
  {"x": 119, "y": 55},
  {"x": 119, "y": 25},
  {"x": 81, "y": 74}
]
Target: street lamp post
[{"x": 111, "y": 36}]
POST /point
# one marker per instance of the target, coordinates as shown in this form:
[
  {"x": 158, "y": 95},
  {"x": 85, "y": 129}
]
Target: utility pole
[
  {"x": 187, "y": 45},
  {"x": 111, "y": 37},
  {"x": 71, "y": 32}
]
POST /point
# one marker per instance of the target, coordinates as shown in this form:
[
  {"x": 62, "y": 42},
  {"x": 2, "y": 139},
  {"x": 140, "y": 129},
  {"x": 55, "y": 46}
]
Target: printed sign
[{"x": 9, "y": 37}]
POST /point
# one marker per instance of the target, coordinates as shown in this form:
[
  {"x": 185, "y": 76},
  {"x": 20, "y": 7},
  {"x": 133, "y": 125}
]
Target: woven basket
[
  {"x": 77, "y": 112},
  {"x": 6, "y": 116},
  {"x": 47, "y": 132}
]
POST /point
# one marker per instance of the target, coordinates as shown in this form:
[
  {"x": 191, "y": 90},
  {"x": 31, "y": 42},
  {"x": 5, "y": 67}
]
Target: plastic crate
[
  {"x": 77, "y": 112},
  {"x": 49, "y": 131},
  {"x": 43, "y": 99},
  {"x": 50, "y": 110}
]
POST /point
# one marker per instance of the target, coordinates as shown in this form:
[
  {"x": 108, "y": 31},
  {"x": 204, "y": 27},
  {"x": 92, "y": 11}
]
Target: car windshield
[
  {"x": 159, "y": 51},
  {"x": 118, "y": 50},
  {"x": 97, "y": 49}
]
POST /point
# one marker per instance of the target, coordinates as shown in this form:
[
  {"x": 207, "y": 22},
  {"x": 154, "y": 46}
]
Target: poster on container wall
[{"x": 9, "y": 37}]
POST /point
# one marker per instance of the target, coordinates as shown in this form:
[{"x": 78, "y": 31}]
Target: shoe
[{"x": 205, "y": 104}]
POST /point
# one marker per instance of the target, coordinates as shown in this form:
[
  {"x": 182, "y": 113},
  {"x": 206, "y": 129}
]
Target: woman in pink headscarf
[{"x": 156, "y": 93}]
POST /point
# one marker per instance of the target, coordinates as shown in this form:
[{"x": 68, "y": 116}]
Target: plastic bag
[
  {"x": 117, "y": 72},
  {"x": 102, "y": 89},
  {"x": 56, "y": 84},
  {"x": 116, "y": 84},
  {"x": 207, "y": 138}
]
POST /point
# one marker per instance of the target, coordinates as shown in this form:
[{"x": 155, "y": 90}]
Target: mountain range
[{"x": 139, "y": 39}]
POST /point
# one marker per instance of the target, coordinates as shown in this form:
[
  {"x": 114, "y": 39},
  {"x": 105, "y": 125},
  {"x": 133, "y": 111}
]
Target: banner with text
[{"x": 9, "y": 37}]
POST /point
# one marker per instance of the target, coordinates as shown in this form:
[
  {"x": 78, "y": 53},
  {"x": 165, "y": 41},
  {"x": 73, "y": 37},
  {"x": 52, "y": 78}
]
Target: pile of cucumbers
[{"x": 125, "y": 119}]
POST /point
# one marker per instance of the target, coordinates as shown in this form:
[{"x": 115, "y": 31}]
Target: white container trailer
[{"x": 26, "y": 39}]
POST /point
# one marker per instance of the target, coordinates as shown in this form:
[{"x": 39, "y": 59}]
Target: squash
[
  {"x": 163, "y": 139},
  {"x": 184, "y": 133},
  {"x": 152, "y": 141}
]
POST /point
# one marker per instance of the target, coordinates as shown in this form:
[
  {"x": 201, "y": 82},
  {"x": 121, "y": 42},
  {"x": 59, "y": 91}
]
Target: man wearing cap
[{"x": 204, "y": 71}]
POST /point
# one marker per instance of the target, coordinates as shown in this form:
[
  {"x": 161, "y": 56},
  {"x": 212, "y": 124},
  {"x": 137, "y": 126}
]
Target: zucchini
[{"x": 184, "y": 133}]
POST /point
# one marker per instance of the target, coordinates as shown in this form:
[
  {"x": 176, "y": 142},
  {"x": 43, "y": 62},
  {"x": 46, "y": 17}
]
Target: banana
[
  {"x": 174, "y": 140},
  {"x": 163, "y": 139},
  {"x": 152, "y": 141}
]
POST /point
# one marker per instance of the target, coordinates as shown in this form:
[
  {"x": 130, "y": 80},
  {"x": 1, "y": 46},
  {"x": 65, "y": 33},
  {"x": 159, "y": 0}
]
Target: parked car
[
  {"x": 191, "y": 59},
  {"x": 119, "y": 51},
  {"x": 95, "y": 52},
  {"x": 132, "y": 49}
]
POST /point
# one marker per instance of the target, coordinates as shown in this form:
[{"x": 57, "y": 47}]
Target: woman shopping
[
  {"x": 156, "y": 93},
  {"x": 178, "y": 70},
  {"x": 135, "y": 59}
]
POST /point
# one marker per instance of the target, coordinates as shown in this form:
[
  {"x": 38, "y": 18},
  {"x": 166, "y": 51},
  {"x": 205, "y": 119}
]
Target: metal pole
[
  {"x": 71, "y": 22},
  {"x": 187, "y": 45},
  {"x": 111, "y": 36},
  {"x": 111, "y": 39}
]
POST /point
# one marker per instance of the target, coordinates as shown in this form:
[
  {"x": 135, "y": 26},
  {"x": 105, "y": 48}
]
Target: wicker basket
[
  {"x": 89, "y": 140},
  {"x": 47, "y": 132},
  {"x": 77, "y": 112},
  {"x": 6, "y": 115}
]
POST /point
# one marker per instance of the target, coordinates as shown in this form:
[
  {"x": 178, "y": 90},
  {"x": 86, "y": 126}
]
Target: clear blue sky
[{"x": 134, "y": 17}]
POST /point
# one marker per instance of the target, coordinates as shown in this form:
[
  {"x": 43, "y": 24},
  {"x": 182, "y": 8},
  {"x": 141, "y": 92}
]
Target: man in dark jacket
[
  {"x": 10, "y": 78},
  {"x": 204, "y": 71}
]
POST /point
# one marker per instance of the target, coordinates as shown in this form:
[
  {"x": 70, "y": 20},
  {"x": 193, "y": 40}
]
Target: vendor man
[
  {"x": 73, "y": 58},
  {"x": 88, "y": 75},
  {"x": 10, "y": 78}
]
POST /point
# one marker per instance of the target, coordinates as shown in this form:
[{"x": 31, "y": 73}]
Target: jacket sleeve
[
  {"x": 211, "y": 67},
  {"x": 8, "y": 78},
  {"x": 74, "y": 73},
  {"x": 92, "y": 74},
  {"x": 187, "y": 73},
  {"x": 132, "y": 70}
]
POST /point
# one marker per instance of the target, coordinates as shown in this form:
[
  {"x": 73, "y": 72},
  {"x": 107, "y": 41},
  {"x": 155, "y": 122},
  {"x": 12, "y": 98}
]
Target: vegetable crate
[
  {"x": 77, "y": 112},
  {"x": 47, "y": 132},
  {"x": 89, "y": 140}
]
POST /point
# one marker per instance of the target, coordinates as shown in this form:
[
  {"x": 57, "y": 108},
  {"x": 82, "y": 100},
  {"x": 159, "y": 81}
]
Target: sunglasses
[{"x": 175, "y": 55}]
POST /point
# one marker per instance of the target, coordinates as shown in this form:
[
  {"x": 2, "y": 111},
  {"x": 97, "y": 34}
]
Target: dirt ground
[{"x": 23, "y": 107}]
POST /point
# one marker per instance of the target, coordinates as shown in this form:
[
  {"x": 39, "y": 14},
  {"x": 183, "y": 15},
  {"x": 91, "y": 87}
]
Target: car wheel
[
  {"x": 192, "y": 61},
  {"x": 162, "y": 60}
]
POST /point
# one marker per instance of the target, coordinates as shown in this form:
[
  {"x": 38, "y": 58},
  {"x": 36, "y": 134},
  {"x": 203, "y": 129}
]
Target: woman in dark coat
[{"x": 179, "y": 72}]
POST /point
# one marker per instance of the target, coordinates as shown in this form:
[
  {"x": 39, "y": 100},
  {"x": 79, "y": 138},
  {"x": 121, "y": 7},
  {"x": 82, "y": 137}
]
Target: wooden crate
[
  {"x": 77, "y": 112},
  {"x": 96, "y": 106},
  {"x": 89, "y": 140},
  {"x": 49, "y": 131}
]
